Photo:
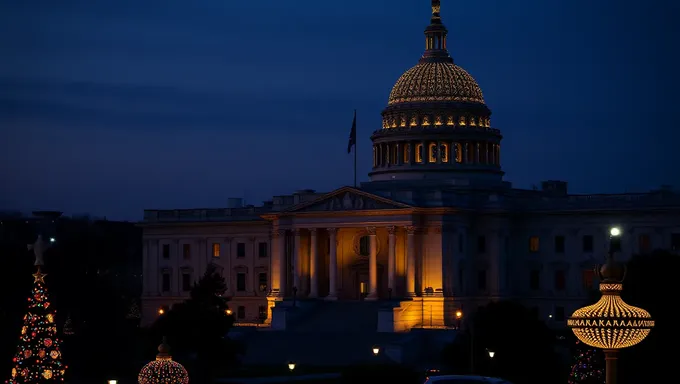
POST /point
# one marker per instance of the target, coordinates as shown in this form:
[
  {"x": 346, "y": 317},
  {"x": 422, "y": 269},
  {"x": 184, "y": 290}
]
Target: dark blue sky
[{"x": 110, "y": 107}]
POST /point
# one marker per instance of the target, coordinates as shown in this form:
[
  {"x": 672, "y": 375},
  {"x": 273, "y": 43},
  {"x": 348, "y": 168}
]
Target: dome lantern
[{"x": 163, "y": 370}]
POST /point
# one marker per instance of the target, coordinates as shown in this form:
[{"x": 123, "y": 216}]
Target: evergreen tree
[
  {"x": 38, "y": 357},
  {"x": 588, "y": 366}
]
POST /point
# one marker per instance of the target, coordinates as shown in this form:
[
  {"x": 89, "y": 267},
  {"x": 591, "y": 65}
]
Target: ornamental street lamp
[
  {"x": 291, "y": 366},
  {"x": 611, "y": 324}
]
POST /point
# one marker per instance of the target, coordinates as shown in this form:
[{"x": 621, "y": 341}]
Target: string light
[
  {"x": 588, "y": 367},
  {"x": 38, "y": 357},
  {"x": 163, "y": 370}
]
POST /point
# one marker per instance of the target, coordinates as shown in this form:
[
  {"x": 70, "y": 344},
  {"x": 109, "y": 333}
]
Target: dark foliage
[
  {"x": 650, "y": 284},
  {"x": 524, "y": 347},
  {"x": 388, "y": 373},
  {"x": 197, "y": 330}
]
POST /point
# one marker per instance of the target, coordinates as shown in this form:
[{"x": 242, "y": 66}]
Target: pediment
[{"x": 347, "y": 199}]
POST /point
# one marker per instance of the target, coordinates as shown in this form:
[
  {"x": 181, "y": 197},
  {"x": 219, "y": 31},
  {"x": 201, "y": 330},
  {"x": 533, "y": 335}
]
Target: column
[
  {"x": 174, "y": 285},
  {"x": 391, "y": 261},
  {"x": 280, "y": 236},
  {"x": 333, "y": 265},
  {"x": 410, "y": 261},
  {"x": 297, "y": 260},
  {"x": 313, "y": 265},
  {"x": 146, "y": 273},
  {"x": 373, "y": 266}
]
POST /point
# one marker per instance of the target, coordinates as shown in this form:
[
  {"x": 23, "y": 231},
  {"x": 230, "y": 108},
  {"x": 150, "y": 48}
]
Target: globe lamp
[
  {"x": 611, "y": 324},
  {"x": 163, "y": 370}
]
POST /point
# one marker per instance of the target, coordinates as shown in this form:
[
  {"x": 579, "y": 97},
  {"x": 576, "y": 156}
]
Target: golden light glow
[
  {"x": 615, "y": 231},
  {"x": 611, "y": 323},
  {"x": 376, "y": 350},
  {"x": 419, "y": 153},
  {"x": 216, "y": 249},
  {"x": 432, "y": 151},
  {"x": 459, "y": 314},
  {"x": 449, "y": 120},
  {"x": 534, "y": 244},
  {"x": 161, "y": 311},
  {"x": 435, "y": 82},
  {"x": 438, "y": 121},
  {"x": 291, "y": 365},
  {"x": 229, "y": 312}
]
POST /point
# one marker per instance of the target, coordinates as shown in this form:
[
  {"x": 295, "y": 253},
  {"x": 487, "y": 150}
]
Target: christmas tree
[
  {"x": 588, "y": 366},
  {"x": 38, "y": 357}
]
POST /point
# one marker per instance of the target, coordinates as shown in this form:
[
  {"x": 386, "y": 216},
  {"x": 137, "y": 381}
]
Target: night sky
[{"x": 117, "y": 106}]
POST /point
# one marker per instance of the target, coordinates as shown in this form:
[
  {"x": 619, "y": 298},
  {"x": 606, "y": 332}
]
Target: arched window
[
  {"x": 457, "y": 152},
  {"x": 432, "y": 152},
  {"x": 419, "y": 153},
  {"x": 407, "y": 153},
  {"x": 444, "y": 152},
  {"x": 364, "y": 246}
]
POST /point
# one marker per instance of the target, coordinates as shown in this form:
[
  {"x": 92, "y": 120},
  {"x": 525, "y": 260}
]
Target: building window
[
  {"x": 241, "y": 282},
  {"x": 262, "y": 249},
  {"x": 460, "y": 243},
  {"x": 419, "y": 153},
  {"x": 587, "y": 243},
  {"x": 262, "y": 281},
  {"x": 241, "y": 250},
  {"x": 535, "y": 280},
  {"x": 481, "y": 280},
  {"x": 407, "y": 153},
  {"x": 432, "y": 152},
  {"x": 559, "y": 314},
  {"x": 644, "y": 244},
  {"x": 444, "y": 152},
  {"x": 364, "y": 246},
  {"x": 481, "y": 244},
  {"x": 458, "y": 152},
  {"x": 559, "y": 244},
  {"x": 262, "y": 312},
  {"x": 534, "y": 244},
  {"x": 186, "y": 282},
  {"x": 166, "y": 251},
  {"x": 216, "y": 249},
  {"x": 560, "y": 280},
  {"x": 588, "y": 279},
  {"x": 166, "y": 282},
  {"x": 241, "y": 312},
  {"x": 675, "y": 242},
  {"x": 186, "y": 251},
  {"x": 395, "y": 154}
]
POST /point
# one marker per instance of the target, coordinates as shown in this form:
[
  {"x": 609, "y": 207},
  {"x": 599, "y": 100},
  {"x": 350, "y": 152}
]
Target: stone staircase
[{"x": 336, "y": 333}]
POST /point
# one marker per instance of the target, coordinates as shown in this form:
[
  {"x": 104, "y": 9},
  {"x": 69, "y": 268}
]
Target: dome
[
  {"x": 163, "y": 370},
  {"x": 436, "y": 81}
]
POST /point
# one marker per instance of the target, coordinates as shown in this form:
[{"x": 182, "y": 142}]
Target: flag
[{"x": 353, "y": 134}]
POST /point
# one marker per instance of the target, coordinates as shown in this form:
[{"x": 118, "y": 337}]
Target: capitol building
[{"x": 437, "y": 230}]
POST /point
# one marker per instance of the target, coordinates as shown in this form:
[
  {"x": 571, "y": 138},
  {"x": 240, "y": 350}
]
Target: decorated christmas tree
[
  {"x": 38, "y": 357},
  {"x": 588, "y": 366}
]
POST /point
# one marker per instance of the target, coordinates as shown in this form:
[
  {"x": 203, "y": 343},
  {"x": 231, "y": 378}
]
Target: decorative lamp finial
[{"x": 164, "y": 350}]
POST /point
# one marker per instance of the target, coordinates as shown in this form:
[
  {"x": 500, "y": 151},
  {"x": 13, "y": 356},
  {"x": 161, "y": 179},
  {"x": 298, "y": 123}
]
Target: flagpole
[{"x": 355, "y": 155}]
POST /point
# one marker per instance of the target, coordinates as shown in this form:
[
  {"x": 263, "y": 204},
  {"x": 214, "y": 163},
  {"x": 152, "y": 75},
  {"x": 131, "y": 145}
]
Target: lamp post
[{"x": 611, "y": 324}]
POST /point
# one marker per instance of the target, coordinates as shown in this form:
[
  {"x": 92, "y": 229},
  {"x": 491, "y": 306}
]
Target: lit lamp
[
  {"x": 161, "y": 311},
  {"x": 492, "y": 354},
  {"x": 459, "y": 316},
  {"x": 113, "y": 382},
  {"x": 611, "y": 324},
  {"x": 376, "y": 350},
  {"x": 228, "y": 312},
  {"x": 291, "y": 365}
]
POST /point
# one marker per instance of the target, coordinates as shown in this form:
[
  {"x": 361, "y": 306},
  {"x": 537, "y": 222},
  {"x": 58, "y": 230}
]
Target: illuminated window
[
  {"x": 186, "y": 251},
  {"x": 560, "y": 280},
  {"x": 444, "y": 152},
  {"x": 216, "y": 249},
  {"x": 419, "y": 153},
  {"x": 407, "y": 153},
  {"x": 364, "y": 246},
  {"x": 588, "y": 279},
  {"x": 432, "y": 151},
  {"x": 534, "y": 244},
  {"x": 458, "y": 152},
  {"x": 262, "y": 281}
]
